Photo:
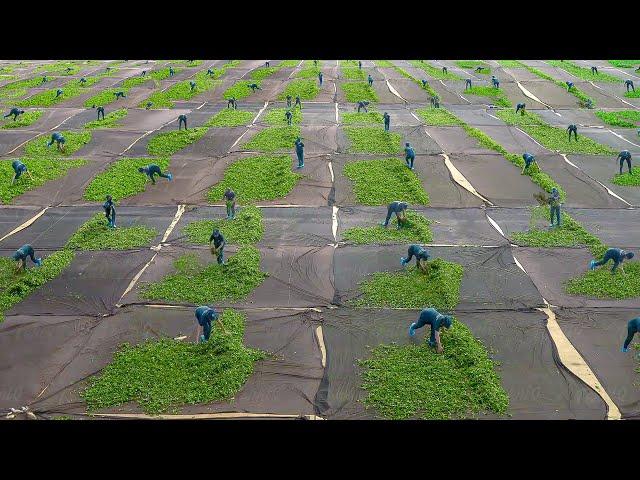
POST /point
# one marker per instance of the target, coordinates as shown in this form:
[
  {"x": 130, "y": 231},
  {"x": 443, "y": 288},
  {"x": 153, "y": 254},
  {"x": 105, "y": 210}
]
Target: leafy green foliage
[
  {"x": 105, "y": 97},
  {"x": 261, "y": 73},
  {"x": 413, "y": 381},
  {"x": 257, "y": 178},
  {"x": 416, "y": 229},
  {"x": 438, "y": 116},
  {"x": 19, "y": 88},
  {"x": 239, "y": 90},
  {"x": 434, "y": 72},
  {"x": 352, "y": 73},
  {"x": 621, "y": 118},
  {"x": 354, "y": 118},
  {"x": 583, "y": 72},
  {"x": 383, "y": 63},
  {"x": 110, "y": 120},
  {"x": 625, "y": 63},
  {"x": 181, "y": 91},
  {"x": 632, "y": 94},
  {"x": 276, "y": 116},
  {"x": 439, "y": 288},
  {"x": 356, "y": 91},
  {"x": 74, "y": 141},
  {"x": 307, "y": 89},
  {"x": 273, "y": 139},
  {"x": 42, "y": 170},
  {"x": 186, "y": 63},
  {"x": 230, "y": 118},
  {"x": 122, "y": 179},
  {"x": 495, "y": 93},
  {"x": 380, "y": 182},
  {"x": 628, "y": 180},
  {"x": 96, "y": 235},
  {"x": 553, "y": 138},
  {"x": 15, "y": 287},
  {"x": 204, "y": 284},
  {"x": 373, "y": 140},
  {"x": 24, "y": 120},
  {"x": 601, "y": 283},
  {"x": 155, "y": 75},
  {"x": 473, "y": 64},
  {"x": 289, "y": 63},
  {"x": 168, "y": 143},
  {"x": 510, "y": 63},
  {"x": 246, "y": 229},
  {"x": 162, "y": 374},
  {"x": 47, "y": 98}
]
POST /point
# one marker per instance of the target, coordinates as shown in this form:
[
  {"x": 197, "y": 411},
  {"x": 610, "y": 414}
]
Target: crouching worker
[
  {"x": 528, "y": 161},
  {"x": 399, "y": 208},
  {"x": 430, "y": 316},
  {"x": 110, "y": 212},
  {"x": 422, "y": 256},
  {"x": 21, "y": 257},
  {"x": 617, "y": 255},
  {"x": 152, "y": 170},
  {"x": 205, "y": 316},
  {"x": 633, "y": 327},
  {"x": 217, "y": 242},
  {"x": 58, "y": 139},
  {"x": 19, "y": 168}
]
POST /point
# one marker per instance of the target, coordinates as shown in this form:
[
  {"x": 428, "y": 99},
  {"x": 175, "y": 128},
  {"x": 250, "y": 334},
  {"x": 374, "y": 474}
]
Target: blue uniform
[
  {"x": 594, "y": 70},
  {"x": 232, "y": 102},
  {"x": 152, "y": 170},
  {"x": 230, "y": 199},
  {"x": 629, "y": 85},
  {"x": 625, "y": 155},
  {"x": 24, "y": 252},
  {"x": 435, "y": 102},
  {"x": 616, "y": 254},
  {"x": 289, "y": 116},
  {"x": 254, "y": 86},
  {"x": 298, "y": 102},
  {"x": 554, "y": 206},
  {"x": 210, "y": 72},
  {"x": 193, "y": 85},
  {"x": 119, "y": 94},
  {"x": 59, "y": 92},
  {"x": 362, "y": 104},
  {"x": 467, "y": 83},
  {"x": 370, "y": 80},
  {"x": 574, "y": 129},
  {"x": 83, "y": 80},
  {"x": 19, "y": 168},
  {"x": 182, "y": 119},
  {"x": 205, "y": 316},
  {"x": 424, "y": 83},
  {"x": 57, "y": 138},
  {"x": 289, "y": 101},
  {"x": 218, "y": 242},
  {"x": 633, "y": 327},
  {"x": 520, "y": 108},
  {"x": 100, "y": 112},
  {"x": 415, "y": 251},
  {"x": 410, "y": 155},
  {"x": 360, "y": 65},
  {"x": 300, "y": 152},
  {"x": 444, "y": 70},
  {"x": 320, "y": 77},
  {"x": 397, "y": 208},
  {"x": 430, "y": 316},
  {"x": 569, "y": 85},
  {"x": 387, "y": 121},
  {"x": 110, "y": 212},
  {"x": 171, "y": 72},
  {"x": 15, "y": 112},
  {"x": 495, "y": 82},
  {"x": 528, "y": 160}
]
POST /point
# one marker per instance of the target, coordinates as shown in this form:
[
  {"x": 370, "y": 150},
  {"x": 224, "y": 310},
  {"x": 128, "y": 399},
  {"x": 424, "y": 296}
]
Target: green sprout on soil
[
  {"x": 417, "y": 229},
  {"x": 413, "y": 381},
  {"x": 352, "y": 73},
  {"x": 246, "y": 229},
  {"x": 110, "y": 120},
  {"x": 438, "y": 116},
  {"x": 354, "y": 118},
  {"x": 373, "y": 140},
  {"x": 583, "y": 72},
  {"x": 510, "y": 64},
  {"x": 440, "y": 288},
  {"x": 155, "y": 75},
  {"x": 428, "y": 88},
  {"x": 583, "y": 99},
  {"x": 239, "y": 90},
  {"x": 383, "y": 63},
  {"x": 19, "y": 88},
  {"x": 308, "y": 72},
  {"x": 204, "y": 284},
  {"x": 161, "y": 375},
  {"x": 600, "y": 283},
  {"x": 273, "y": 139},
  {"x": 434, "y": 72},
  {"x": 47, "y": 98},
  {"x": 122, "y": 179},
  {"x": 306, "y": 89},
  {"x": 570, "y": 234},
  {"x": 380, "y": 182},
  {"x": 276, "y": 116},
  {"x": 356, "y": 91},
  {"x": 24, "y": 120},
  {"x": 186, "y": 63},
  {"x": 473, "y": 64},
  {"x": 105, "y": 97},
  {"x": 96, "y": 235},
  {"x": 256, "y": 179},
  {"x": 16, "y": 287},
  {"x": 168, "y": 143},
  {"x": 621, "y": 118},
  {"x": 495, "y": 93},
  {"x": 625, "y": 63},
  {"x": 289, "y": 64},
  {"x": 633, "y": 94},
  {"x": 263, "y": 72},
  {"x": 42, "y": 170},
  {"x": 181, "y": 91},
  {"x": 553, "y": 138},
  {"x": 230, "y": 118},
  {"x": 74, "y": 141},
  {"x": 628, "y": 180}
]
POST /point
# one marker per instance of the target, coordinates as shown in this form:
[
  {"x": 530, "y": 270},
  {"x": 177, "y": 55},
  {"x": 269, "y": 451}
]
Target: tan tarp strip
[
  {"x": 25, "y": 224},
  {"x": 461, "y": 180},
  {"x": 204, "y": 416}
]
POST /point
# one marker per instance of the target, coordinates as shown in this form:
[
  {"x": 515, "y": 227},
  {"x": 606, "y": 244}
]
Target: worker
[
  {"x": 629, "y": 84},
  {"x": 289, "y": 116},
  {"x": 495, "y": 82},
  {"x": 572, "y": 128},
  {"x": 210, "y": 72},
  {"x": 400, "y": 209},
  {"x": 230, "y": 200},
  {"x": 288, "y": 101},
  {"x": 267, "y": 63},
  {"x": 594, "y": 70},
  {"x": 298, "y": 102},
  {"x": 254, "y": 86},
  {"x": 467, "y": 83},
  {"x": 528, "y": 161},
  {"x": 633, "y": 327},
  {"x": 410, "y": 155},
  {"x": 569, "y": 86},
  {"x": 19, "y": 168},
  {"x": 171, "y": 72},
  {"x": 362, "y": 104},
  {"x": 479, "y": 68},
  {"x": 430, "y": 316},
  {"x": 15, "y": 112},
  {"x": 110, "y": 212},
  {"x": 320, "y": 78},
  {"x": 193, "y": 85},
  {"x": 554, "y": 206},
  {"x": 83, "y": 81},
  {"x": 232, "y": 102},
  {"x": 520, "y": 108},
  {"x": 152, "y": 170},
  {"x": 315, "y": 63},
  {"x": 148, "y": 105},
  {"x": 59, "y": 92},
  {"x": 444, "y": 70},
  {"x": 58, "y": 139},
  {"x": 182, "y": 119},
  {"x": 205, "y": 316},
  {"x": 387, "y": 121},
  {"x": 144, "y": 73},
  {"x": 422, "y": 256},
  {"x": 120, "y": 94},
  {"x": 617, "y": 255},
  {"x": 622, "y": 156},
  {"x": 359, "y": 64},
  {"x": 370, "y": 80},
  {"x": 217, "y": 248},
  {"x": 44, "y": 79},
  {"x": 425, "y": 83},
  {"x": 21, "y": 257},
  {"x": 300, "y": 152},
  {"x": 101, "y": 112}
]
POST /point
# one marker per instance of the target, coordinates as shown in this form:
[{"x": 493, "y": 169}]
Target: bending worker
[
  {"x": 19, "y": 168},
  {"x": 623, "y": 156},
  {"x": 232, "y": 103},
  {"x": 110, "y": 212},
  {"x": 422, "y": 256},
  {"x": 430, "y": 316},
  {"x": 569, "y": 86},
  {"x": 205, "y": 316},
  {"x": 629, "y": 85},
  {"x": 21, "y": 257},
  {"x": 410, "y": 155},
  {"x": 574, "y": 129},
  {"x": 59, "y": 92},
  {"x": 193, "y": 85},
  {"x": 520, "y": 108},
  {"x": 100, "y": 112},
  {"x": 617, "y": 255},
  {"x": 230, "y": 199},
  {"x": 387, "y": 121},
  {"x": 633, "y": 327},
  {"x": 15, "y": 112},
  {"x": 119, "y": 94},
  {"x": 152, "y": 170},
  {"x": 58, "y": 139},
  {"x": 254, "y": 86},
  {"x": 217, "y": 248},
  {"x": 289, "y": 116},
  {"x": 400, "y": 209},
  {"x": 528, "y": 160},
  {"x": 467, "y": 83},
  {"x": 362, "y": 104},
  {"x": 182, "y": 119}
]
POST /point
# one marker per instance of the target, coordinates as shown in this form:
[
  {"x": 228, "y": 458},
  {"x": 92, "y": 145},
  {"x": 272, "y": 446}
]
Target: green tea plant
[
  {"x": 96, "y": 235},
  {"x": 181, "y": 91},
  {"x": 47, "y": 98},
  {"x": 24, "y": 120},
  {"x": 168, "y": 143},
  {"x": 632, "y": 94},
  {"x": 510, "y": 64},
  {"x": 357, "y": 91},
  {"x": 273, "y": 139},
  {"x": 628, "y": 180},
  {"x": 230, "y": 118},
  {"x": 625, "y": 63},
  {"x": 276, "y": 116},
  {"x": 583, "y": 72},
  {"x": 495, "y": 93},
  {"x": 352, "y": 73},
  {"x": 417, "y": 229},
  {"x": 239, "y": 90},
  {"x": 261, "y": 73},
  {"x": 246, "y": 229},
  {"x": 434, "y": 72},
  {"x": 355, "y": 118},
  {"x": 428, "y": 88},
  {"x": 620, "y": 118},
  {"x": 373, "y": 140},
  {"x": 110, "y": 120},
  {"x": 305, "y": 88},
  {"x": 383, "y": 63},
  {"x": 600, "y": 283},
  {"x": 473, "y": 64},
  {"x": 438, "y": 117}
]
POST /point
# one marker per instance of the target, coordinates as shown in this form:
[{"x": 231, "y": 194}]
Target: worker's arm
[{"x": 439, "y": 348}]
